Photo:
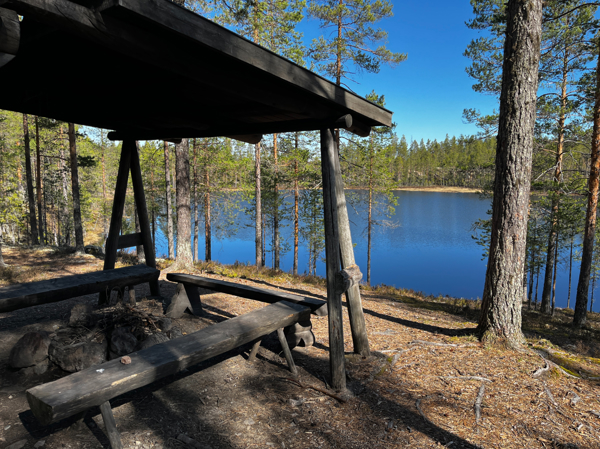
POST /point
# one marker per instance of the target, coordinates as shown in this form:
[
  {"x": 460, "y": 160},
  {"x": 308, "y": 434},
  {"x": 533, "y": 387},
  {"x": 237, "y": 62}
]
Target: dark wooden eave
[{"x": 149, "y": 69}]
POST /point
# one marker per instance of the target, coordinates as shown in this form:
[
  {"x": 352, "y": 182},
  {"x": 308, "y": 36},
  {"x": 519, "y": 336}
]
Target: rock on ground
[
  {"x": 30, "y": 350},
  {"x": 122, "y": 341},
  {"x": 79, "y": 356},
  {"x": 81, "y": 315},
  {"x": 152, "y": 340}
]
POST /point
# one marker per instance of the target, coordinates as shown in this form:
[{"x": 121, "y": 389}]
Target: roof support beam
[
  {"x": 248, "y": 138},
  {"x": 249, "y": 132},
  {"x": 10, "y": 35}
]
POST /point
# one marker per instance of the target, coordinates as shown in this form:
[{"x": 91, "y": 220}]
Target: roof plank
[{"x": 172, "y": 73}]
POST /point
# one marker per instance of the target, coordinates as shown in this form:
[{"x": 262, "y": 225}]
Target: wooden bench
[
  {"x": 95, "y": 386},
  {"x": 191, "y": 284},
  {"x": 19, "y": 296}
]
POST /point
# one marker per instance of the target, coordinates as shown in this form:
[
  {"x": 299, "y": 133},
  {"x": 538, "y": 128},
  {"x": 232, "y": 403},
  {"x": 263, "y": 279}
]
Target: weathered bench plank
[
  {"x": 80, "y": 391},
  {"x": 316, "y": 306},
  {"x": 19, "y": 296}
]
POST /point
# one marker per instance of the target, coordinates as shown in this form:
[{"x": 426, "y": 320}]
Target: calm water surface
[{"x": 425, "y": 246}]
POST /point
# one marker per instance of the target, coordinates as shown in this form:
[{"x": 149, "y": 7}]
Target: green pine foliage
[{"x": 352, "y": 42}]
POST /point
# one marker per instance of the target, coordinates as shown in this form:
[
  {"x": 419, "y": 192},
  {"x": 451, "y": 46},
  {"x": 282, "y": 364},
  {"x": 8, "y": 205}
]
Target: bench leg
[
  {"x": 287, "y": 352},
  {"x": 254, "y": 351},
  {"x": 186, "y": 298},
  {"x": 131, "y": 291},
  {"x": 154, "y": 288},
  {"x": 103, "y": 298},
  {"x": 192, "y": 293},
  {"x": 111, "y": 427}
]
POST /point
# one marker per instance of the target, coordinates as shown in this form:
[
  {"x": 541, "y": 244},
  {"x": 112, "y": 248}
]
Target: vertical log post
[
  {"x": 142, "y": 208},
  {"x": 355, "y": 310},
  {"x": 358, "y": 328},
  {"x": 131, "y": 291},
  {"x": 337, "y": 362}
]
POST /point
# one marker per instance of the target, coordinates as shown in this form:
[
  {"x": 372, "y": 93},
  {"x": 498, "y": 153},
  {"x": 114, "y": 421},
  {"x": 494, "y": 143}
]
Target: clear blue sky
[{"x": 428, "y": 92}]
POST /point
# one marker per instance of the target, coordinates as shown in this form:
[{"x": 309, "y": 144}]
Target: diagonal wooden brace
[
  {"x": 111, "y": 426},
  {"x": 287, "y": 352}
]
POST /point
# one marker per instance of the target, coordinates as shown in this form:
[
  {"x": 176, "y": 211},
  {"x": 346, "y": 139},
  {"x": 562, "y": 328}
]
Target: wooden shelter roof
[{"x": 149, "y": 69}]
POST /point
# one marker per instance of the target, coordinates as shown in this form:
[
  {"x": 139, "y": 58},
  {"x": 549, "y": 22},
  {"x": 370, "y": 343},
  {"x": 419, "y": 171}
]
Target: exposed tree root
[
  {"x": 482, "y": 379},
  {"x": 320, "y": 390},
  {"x": 574, "y": 399},
  {"x": 396, "y": 351},
  {"x": 418, "y": 404},
  {"x": 406, "y": 366},
  {"x": 541, "y": 371},
  {"x": 478, "y": 402},
  {"x": 432, "y": 343},
  {"x": 549, "y": 394},
  {"x": 550, "y": 364}
]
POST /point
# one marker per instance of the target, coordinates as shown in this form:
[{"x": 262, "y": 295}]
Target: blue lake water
[{"x": 427, "y": 246}]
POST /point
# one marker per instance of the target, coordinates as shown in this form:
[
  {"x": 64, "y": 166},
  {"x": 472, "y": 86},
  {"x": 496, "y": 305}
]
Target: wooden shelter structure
[{"x": 150, "y": 69}]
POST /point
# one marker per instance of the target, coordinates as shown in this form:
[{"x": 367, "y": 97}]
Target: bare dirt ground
[{"x": 422, "y": 388}]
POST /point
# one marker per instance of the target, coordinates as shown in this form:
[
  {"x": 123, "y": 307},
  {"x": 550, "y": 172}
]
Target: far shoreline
[
  {"x": 438, "y": 189},
  {"x": 442, "y": 189}
]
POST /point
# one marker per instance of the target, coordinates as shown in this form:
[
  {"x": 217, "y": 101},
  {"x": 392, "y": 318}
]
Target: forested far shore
[{"x": 38, "y": 205}]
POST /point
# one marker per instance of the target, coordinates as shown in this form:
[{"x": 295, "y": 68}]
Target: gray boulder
[
  {"x": 122, "y": 341},
  {"x": 165, "y": 324},
  {"x": 79, "y": 356},
  {"x": 30, "y": 350},
  {"x": 152, "y": 340},
  {"x": 81, "y": 315},
  {"x": 175, "y": 333}
]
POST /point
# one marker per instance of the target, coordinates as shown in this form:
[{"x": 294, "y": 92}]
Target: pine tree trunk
[
  {"x": 554, "y": 276},
  {"x": 570, "y": 273},
  {"x": 531, "y": 276},
  {"x": 2, "y": 264},
  {"x": 207, "y": 218},
  {"x": 153, "y": 208},
  {"x": 580, "y": 315},
  {"x": 38, "y": 182},
  {"x": 550, "y": 262},
  {"x": 370, "y": 215},
  {"x": 593, "y": 290},
  {"x": 296, "y": 217},
  {"x": 169, "y": 204},
  {"x": 537, "y": 283},
  {"x": 45, "y": 212},
  {"x": 77, "y": 224},
  {"x": 184, "y": 220},
  {"x": 139, "y": 250},
  {"x": 196, "y": 206},
  {"x": 258, "y": 209},
  {"x": 65, "y": 221},
  {"x": 276, "y": 263},
  {"x": 263, "y": 240},
  {"x": 503, "y": 291},
  {"x": 33, "y": 234},
  {"x": 553, "y": 237},
  {"x": 104, "y": 207}
]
